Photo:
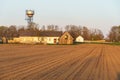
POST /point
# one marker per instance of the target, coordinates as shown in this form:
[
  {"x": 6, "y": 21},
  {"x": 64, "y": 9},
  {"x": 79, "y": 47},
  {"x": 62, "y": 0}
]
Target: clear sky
[{"x": 102, "y": 14}]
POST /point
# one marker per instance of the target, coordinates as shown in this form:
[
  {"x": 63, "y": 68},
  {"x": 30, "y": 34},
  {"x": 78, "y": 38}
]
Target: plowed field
[{"x": 59, "y": 62}]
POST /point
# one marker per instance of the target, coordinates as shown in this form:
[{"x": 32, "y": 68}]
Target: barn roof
[
  {"x": 29, "y": 33},
  {"x": 74, "y": 35},
  {"x": 50, "y": 33},
  {"x": 41, "y": 33},
  {"x": 68, "y": 33}
]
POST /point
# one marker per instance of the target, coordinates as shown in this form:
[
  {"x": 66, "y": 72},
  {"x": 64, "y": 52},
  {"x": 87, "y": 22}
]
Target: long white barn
[{"x": 45, "y": 37}]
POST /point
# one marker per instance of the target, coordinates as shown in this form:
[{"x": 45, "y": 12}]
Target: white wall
[
  {"x": 29, "y": 40},
  {"x": 45, "y": 40},
  {"x": 79, "y": 39},
  {"x": 49, "y": 40}
]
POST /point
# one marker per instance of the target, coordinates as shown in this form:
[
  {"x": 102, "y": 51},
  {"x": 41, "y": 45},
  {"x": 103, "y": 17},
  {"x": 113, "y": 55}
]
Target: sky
[{"x": 101, "y": 14}]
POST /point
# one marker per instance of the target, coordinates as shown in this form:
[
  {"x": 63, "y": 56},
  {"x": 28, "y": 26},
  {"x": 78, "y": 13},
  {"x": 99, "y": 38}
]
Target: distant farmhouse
[
  {"x": 66, "y": 38},
  {"x": 46, "y": 37},
  {"x": 79, "y": 39},
  {"x": 50, "y": 37}
]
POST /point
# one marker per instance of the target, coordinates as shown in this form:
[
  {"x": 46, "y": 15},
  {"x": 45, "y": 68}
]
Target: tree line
[
  {"x": 88, "y": 33},
  {"x": 114, "y": 34}
]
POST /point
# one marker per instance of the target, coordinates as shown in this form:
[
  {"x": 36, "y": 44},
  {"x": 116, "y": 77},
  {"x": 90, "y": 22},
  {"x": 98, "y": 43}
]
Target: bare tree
[
  {"x": 56, "y": 28},
  {"x": 114, "y": 34},
  {"x": 33, "y": 26},
  {"x": 33, "y": 30},
  {"x": 49, "y": 27},
  {"x": 12, "y": 32},
  {"x": 3, "y": 30},
  {"x": 21, "y": 30},
  {"x": 43, "y": 28},
  {"x": 96, "y": 34},
  {"x": 52, "y": 28},
  {"x": 74, "y": 30},
  {"x": 67, "y": 28},
  {"x": 86, "y": 33}
]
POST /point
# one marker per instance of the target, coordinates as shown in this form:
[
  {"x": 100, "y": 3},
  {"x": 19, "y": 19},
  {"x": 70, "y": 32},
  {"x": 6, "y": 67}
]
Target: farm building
[
  {"x": 46, "y": 37},
  {"x": 43, "y": 37},
  {"x": 26, "y": 37},
  {"x": 0, "y": 40},
  {"x": 50, "y": 37},
  {"x": 66, "y": 38},
  {"x": 79, "y": 39}
]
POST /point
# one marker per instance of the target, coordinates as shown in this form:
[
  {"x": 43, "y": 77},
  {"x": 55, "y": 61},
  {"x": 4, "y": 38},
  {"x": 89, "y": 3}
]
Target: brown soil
[{"x": 59, "y": 62}]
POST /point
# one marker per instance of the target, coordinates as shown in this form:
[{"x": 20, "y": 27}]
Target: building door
[{"x": 55, "y": 41}]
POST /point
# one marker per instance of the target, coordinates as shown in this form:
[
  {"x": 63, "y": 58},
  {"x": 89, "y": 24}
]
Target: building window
[
  {"x": 66, "y": 36},
  {"x": 49, "y": 39},
  {"x": 42, "y": 39},
  {"x": 55, "y": 41}
]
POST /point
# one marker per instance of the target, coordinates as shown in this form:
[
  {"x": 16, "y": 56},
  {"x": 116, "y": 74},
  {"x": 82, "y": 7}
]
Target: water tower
[{"x": 29, "y": 16}]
